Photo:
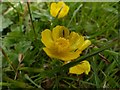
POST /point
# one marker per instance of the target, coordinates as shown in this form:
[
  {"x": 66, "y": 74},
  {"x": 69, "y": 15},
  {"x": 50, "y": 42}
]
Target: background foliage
[{"x": 25, "y": 64}]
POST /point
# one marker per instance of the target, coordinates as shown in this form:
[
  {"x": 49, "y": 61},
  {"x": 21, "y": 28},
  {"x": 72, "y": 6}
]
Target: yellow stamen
[{"x": 62, "y": 44}]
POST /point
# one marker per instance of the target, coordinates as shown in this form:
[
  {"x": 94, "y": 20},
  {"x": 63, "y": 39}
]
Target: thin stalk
[
  {"x": 31, "y": 20},
  {"x": 28, "y": 78},
  {"x": 7, "y": 58},
  {"x": 74, "y": 14}
]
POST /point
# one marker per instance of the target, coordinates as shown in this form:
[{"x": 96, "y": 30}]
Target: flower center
[{"x": 62, "y": 44}]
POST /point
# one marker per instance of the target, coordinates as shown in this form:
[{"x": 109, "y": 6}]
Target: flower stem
[{"x": 31, "y": 20}]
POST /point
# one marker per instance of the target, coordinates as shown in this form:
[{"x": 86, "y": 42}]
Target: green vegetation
[{"x": 26, "y": 65}]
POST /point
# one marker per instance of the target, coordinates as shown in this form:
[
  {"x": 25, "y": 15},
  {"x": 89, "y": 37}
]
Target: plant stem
[
  {"x": 31, "y": 20},
  {"x": 7, "y": 58}
]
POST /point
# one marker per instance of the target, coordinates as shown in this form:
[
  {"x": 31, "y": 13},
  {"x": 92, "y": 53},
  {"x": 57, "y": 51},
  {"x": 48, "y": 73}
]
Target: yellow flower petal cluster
[
  {"x": 83, "y": 67},
  {"x": 59, "y": 9},
  {"x": 62, "y": 44},
  {"x": 65, "y": 45}
]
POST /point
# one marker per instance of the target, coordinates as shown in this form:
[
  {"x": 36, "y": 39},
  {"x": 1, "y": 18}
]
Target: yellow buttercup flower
[
  {"x": 59, "y": 9},
  {"x": 83, "y": 67},
  {"x": 62, "y": 44}
]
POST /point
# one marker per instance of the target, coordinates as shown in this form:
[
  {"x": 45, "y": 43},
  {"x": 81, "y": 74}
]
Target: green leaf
[
  {"x": 16, "y": 83},
  {"x": 13, "y": 38},
  {"x": 5, "y": 22},
  {"x": 29, "y": 69}
]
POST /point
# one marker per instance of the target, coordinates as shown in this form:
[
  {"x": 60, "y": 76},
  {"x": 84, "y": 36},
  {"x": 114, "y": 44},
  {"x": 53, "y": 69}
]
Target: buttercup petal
[
  {"x": 54, "y": 9},
  {"x": 84, "y": 45},
  {"x": 76, "y": 70},
  {"x": 70, "y": 56},
  {"x": 73, "y": 37},
  {"x": 50, "y": 52},
  {"x": 60, "y": 31},
  {"x": 47, "y": 38},
  {"x": 83, "y": 67},
  {"x": 80, "y": 41},
  {"x": 75, "y": 40},
  {"x": 60, "y": 4},
  {"x": 63, "y": 11},
  {"x": 65, "y": 56}
]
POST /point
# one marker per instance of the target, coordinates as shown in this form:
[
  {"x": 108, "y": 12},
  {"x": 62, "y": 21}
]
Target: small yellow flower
[
  {"x": 83, "y": 67},
  {"x": 62, "y": 44},
  {"x": 59, "y": 9}
]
